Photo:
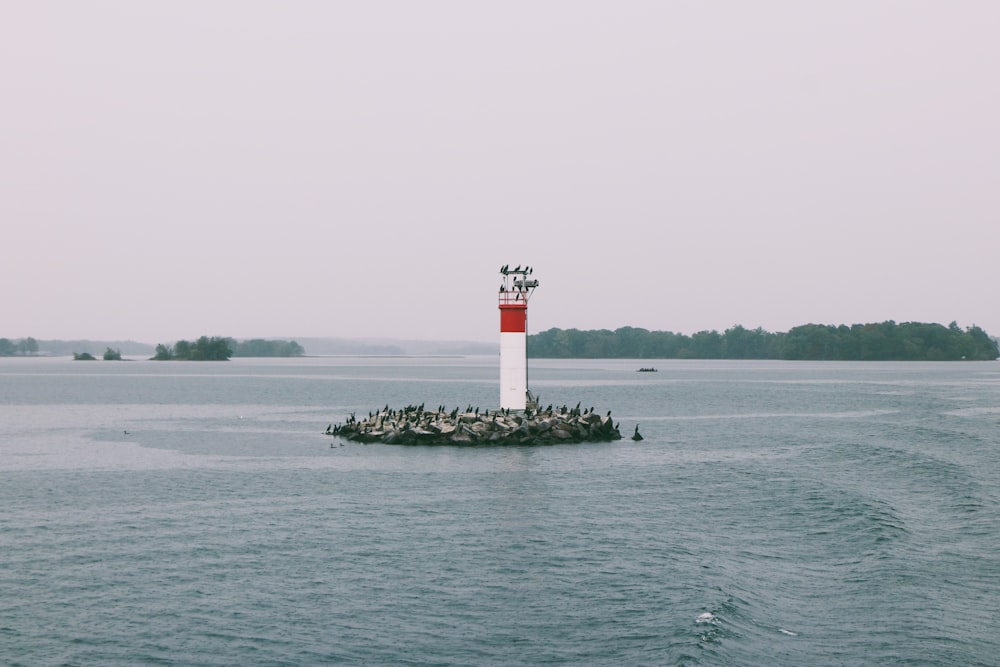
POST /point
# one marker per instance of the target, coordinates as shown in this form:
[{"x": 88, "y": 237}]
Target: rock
[{"x": 414, "y": 425}]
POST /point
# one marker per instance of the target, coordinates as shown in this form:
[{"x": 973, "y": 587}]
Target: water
[{"x": 776, "y": 514}]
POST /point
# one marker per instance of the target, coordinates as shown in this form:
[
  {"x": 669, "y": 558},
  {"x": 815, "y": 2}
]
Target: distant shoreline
[{"x": 881, "y": 341}]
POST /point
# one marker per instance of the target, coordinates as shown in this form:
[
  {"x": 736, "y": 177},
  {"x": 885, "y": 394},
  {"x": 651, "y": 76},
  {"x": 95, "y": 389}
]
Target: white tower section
[{"x": 514, "y": 293}]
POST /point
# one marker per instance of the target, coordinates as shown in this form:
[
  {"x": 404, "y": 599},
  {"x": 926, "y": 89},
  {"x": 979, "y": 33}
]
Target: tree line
[
  {"x": 882, "y": 341},
  {"x": 24, "y": 346},
  {"x": 219, "y": 348},
  {"x": 258, "y": 347},
  {"x": 204, "y": 348}
]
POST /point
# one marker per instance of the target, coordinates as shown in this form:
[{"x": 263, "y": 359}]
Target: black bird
[{"x": 636, "y": 436}]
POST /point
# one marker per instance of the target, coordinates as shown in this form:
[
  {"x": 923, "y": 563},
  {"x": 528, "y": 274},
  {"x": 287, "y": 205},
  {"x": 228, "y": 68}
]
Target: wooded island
[
  {"x": 884, "y": 341},
  {"x": 220, "y": 349}
]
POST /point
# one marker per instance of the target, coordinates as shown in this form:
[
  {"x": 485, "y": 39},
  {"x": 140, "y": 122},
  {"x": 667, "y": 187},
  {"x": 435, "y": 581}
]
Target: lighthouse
[{"x": 515, "y": 290}]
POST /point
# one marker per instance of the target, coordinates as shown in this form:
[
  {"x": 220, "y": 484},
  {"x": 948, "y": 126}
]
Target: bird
[{"x": 636, "y": 436}]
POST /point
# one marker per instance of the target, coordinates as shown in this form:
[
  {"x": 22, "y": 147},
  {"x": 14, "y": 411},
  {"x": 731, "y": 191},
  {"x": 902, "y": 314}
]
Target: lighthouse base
[{"x": 416, "y": 426}]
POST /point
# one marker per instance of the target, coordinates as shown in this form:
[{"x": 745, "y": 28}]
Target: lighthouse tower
[{"x": 514, "y": 293}]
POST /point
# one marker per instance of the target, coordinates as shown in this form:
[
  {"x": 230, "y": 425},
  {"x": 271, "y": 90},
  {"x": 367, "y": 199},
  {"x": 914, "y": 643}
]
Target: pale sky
[{"x": 363, "y": 169}]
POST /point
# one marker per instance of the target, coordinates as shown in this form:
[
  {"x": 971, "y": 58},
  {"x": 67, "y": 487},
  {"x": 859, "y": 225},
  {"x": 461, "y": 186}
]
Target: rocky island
[{"x": 413, "y": 425}]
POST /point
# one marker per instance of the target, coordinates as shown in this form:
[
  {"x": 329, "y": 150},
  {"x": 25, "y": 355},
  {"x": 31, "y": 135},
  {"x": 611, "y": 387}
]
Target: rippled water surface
[{"x": 775, "y": 514}]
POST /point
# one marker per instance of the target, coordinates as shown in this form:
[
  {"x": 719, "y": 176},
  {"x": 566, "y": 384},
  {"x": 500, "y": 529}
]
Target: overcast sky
[{"x": 363, "y": 169}]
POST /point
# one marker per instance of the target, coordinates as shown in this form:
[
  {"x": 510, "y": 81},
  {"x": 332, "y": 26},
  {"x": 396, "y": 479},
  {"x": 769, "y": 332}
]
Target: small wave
[
  {"x": 707, "y": 617},
  {"x": 788, "y": 632},
  {"x": 973, "y": 412}
]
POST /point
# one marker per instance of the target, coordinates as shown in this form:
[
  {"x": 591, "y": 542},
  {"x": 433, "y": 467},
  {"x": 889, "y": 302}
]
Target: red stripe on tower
[{"x": 513, "y": 318}]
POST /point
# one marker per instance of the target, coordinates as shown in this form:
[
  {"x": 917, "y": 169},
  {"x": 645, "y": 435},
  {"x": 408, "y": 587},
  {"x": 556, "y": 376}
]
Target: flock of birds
[
  {"x": 415, "y": 424},
  {"x": 505, "y": 270}
]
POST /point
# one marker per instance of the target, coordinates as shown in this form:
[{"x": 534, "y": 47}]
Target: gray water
[{"x": 776, "y": 514}]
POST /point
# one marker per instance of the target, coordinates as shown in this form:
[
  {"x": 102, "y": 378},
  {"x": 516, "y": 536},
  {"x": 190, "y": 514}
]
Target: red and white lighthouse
[{"x": 514, "y": 293}]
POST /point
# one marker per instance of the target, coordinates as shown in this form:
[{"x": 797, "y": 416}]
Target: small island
[
  {"x": 218, "y": 348},
  {"x": 413, "y": 425},
  {"x": 109, "y": 355}
]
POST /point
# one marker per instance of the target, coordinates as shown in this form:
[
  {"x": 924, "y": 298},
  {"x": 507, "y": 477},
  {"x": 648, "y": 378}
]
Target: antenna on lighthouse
[{"x": 515, "y": 290}]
